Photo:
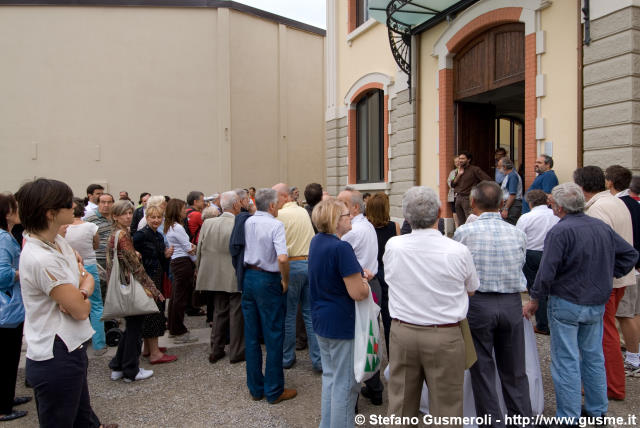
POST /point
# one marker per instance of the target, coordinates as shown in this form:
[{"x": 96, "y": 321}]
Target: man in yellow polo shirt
[{"x": 298, "y": 234}]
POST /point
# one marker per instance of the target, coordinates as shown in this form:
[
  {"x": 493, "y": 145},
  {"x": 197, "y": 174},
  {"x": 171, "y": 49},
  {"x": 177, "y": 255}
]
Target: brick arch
[
  {"x": 455, "y": 42},
  {"x": 355, "y": 95}
]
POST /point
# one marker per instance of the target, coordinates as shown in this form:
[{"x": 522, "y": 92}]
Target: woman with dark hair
[
  {"x": 55, "y": 291},
  {"x": 83, "y": 237},
  {"x": 182, "y": 267},
  {"x": 11, "y": 329},
  {"x": 149, "y": 242},
  {"x": 378, "y": 215},
  {"x": 126, "y": 363}
]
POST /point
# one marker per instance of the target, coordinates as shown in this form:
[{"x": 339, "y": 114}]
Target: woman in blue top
[
  {"x": 336, "y": 280},
  {"x": 10, "y": 329}
]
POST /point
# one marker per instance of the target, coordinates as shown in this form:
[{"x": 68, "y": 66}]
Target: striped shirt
[
  {"x": 104, "y": 231},
  {"x": 498, "y": 251}
]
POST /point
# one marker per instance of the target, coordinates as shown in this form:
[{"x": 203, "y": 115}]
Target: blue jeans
[
  {"x": 98, "y": 340},
  {"x": 263, "y": 306},
  {"x": 577, "y": 357},
  {"x": 298, "y": 292},
  {"x": 339, "y": 386}
]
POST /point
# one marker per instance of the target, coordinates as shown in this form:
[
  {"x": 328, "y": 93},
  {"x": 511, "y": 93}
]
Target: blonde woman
[
  {"x": 153, "y": 201},
  {"x": 451, "y": 196},
  {"x": 126, "y": 363},
  {"x": 336, "y": 281}
]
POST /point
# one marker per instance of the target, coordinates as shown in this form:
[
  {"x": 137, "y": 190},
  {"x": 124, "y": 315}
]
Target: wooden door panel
[
  {"x": 471, "y": 69},
  {"x": 508, "y": 64},
  {"x": 475, "y": 132}
]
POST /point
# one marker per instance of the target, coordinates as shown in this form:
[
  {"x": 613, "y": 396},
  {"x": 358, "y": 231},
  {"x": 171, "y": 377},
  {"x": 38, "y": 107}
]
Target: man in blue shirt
[
  {"x": 546, "y": 179},
  {"x": 511, "y": 191},
  {"x": 581, "y": 256}
]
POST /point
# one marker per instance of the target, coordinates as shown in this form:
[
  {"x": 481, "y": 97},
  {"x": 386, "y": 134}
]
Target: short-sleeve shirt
[
  {"x": 264, "y": 241},
  {"x": 80, "y": 237},
  {"x": 41, "y": 270},
  {"x": 332, "y": 309},
  {"x": 512, "y": 185}
]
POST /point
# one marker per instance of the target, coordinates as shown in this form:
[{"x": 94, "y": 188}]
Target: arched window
[{"x": 370, "y": 137}]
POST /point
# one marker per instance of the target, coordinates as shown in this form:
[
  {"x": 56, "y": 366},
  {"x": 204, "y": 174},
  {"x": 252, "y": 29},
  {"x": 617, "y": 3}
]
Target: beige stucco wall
[
  {"x": 369, "y": 52},
  {"x": 559, "y": 106},
  {"x": 147, "y": 85},
  {"x": 428, "y": 99}
]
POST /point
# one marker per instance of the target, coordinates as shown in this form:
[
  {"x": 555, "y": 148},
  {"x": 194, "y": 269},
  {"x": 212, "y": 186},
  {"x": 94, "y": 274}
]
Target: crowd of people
[{"x": 273, "y": 270}]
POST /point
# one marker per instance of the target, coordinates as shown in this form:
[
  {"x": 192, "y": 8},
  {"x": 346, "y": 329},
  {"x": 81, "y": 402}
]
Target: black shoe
[
  {"x": 215, "y": 358},
  {"x": 300, "y": 346},
  {"x": 21, "y": 400},
  {"x": 13, "y": 415},
  {"x": 376, "y": 399}
]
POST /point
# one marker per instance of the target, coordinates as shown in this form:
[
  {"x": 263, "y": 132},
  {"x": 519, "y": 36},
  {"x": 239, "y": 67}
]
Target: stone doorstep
[{"x": 203, "y": 335}]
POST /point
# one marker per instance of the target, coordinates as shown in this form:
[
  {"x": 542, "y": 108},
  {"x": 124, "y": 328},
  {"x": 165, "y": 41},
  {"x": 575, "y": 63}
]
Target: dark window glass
[
  {"x": 362, "y": 12},
  {"x": 370, "y": 138}
]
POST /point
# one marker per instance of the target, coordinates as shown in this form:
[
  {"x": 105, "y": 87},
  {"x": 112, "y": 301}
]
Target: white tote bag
[
  {"x": 125, "y": 300},
  {"x": 366, "y": 361}
]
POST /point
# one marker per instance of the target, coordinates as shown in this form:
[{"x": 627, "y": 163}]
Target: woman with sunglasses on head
[
  {"x": 55, "y": 291},
  {"x": 126, "y": 363}
]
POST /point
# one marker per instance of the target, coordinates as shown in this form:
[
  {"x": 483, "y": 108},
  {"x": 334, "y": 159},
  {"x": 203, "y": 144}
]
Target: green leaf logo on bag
[{"x": 373, "y": 362}]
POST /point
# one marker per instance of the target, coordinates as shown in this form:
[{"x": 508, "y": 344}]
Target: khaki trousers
[{"x": 425, "y": 353}]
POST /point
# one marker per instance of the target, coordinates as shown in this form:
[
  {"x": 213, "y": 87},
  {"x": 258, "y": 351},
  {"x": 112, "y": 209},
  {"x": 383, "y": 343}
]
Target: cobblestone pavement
[{"x": 194, "y": 393}]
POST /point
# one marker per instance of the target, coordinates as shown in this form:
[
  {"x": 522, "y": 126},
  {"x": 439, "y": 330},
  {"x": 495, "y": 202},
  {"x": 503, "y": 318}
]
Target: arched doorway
[{"x": 489, "y": 95}]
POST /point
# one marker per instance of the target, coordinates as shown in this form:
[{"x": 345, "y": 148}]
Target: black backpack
[{"x": 192, "y": 236}]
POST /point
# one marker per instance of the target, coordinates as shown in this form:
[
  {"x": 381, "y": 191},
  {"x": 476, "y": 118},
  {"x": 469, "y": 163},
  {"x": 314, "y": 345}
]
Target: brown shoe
[{"x": 287, "y": 394}]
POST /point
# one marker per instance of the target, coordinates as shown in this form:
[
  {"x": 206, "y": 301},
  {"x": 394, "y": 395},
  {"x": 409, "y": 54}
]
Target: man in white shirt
[
  {"x": 535, "y": 224},
  {"x": 94, "y": 191},
  {"x": 425, "y": 266},
  {"x": 364, "y": 240}
]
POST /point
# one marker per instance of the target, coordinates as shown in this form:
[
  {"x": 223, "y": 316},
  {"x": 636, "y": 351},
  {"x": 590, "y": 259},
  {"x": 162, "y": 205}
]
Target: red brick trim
[
  {"x": 352, "y": 131},
  {"x": 481, "y": 23},
  {"x": 446, "y": 134},
  {"x": 351, "y": 15},
  {"x": 530, "y": 108}
]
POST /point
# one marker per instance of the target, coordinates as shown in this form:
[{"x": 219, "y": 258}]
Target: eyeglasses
[{"x": 343, "y": 215}]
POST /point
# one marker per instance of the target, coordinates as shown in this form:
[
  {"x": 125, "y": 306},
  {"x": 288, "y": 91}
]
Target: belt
[
  {"x": 293, "y": 259},
  {"x": 455, "y": 324},
  {"x": 254, "y": 267}
]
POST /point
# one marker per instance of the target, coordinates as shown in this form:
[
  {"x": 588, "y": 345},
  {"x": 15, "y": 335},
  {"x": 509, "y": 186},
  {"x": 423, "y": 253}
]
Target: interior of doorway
[{"x": 490, "y": 120}]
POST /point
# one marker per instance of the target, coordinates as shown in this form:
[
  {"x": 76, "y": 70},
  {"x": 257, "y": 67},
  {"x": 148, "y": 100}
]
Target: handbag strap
[{"x": 115, "y": 250}]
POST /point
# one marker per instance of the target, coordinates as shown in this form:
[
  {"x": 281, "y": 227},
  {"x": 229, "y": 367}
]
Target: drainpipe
[{"x": 580, "y": 133}]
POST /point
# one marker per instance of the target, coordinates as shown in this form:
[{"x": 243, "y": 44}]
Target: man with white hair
[
  {"x": 364, "y": 241},
  {"x": 216, "y": 274},
  {"x": 425, "y": 266},
  {"x": 265, "y": 283},
  {"x": 511, "y": 191},
  {"x": 582, "y": 255}
]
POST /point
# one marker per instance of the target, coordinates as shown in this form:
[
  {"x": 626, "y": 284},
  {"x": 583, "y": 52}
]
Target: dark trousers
[
  {"x": 227, "y": 316},
  {"x": 515, "y": 210},
  {"x": 209, "y": 297},
  {"x": 374, "y": 384},
  {"x": 463, "y": 208},
  {"x": 264, "y": 306},
  {"x": 182, "y": 269},
  {"x": 384, "y": 306},
  {"x": 530, "y": 269},
  {"x": 301, "y": 331},
  {"x": 495, "y": 320},
  {"x": 127, "y": 358},
  {"x": 61, "y": 390},
  {"x": 11, "y": 340}
]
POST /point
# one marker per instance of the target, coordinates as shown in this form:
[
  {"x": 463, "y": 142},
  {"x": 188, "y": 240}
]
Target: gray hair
[
  {"x": 155, "y": 201},
  {"x": 507, "y": 163},
  {"x": 227, "y": 199},
  {"x": 121, "y": 207},
  {"x": 357, "y": 200},
  {"x": 420, "y": 206},
  {"x": 210, "y": 212},
  {"x": 264, "y": 198},
  {"x": 241, "y": 193},
  {"x": 548, "y": 160},
  {"x": 292, "y": 189},
  {"x": 487, "y": 195},
  {"x": 569, "y": 197}
]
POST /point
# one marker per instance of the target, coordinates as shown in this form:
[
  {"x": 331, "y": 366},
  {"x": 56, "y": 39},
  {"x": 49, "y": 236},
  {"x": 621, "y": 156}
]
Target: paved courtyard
[{"x": 194, "y": 393}]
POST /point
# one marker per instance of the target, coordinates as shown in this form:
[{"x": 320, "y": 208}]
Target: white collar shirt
[
  {"x": 536, "y": 224},
  {"x": 41, "y": 270},
  {"x": 364, "y": 241},
  {"x": 89, "y": 210},
  {"x": 429, "y": 276},
  {"x": 264, "y": 241}
]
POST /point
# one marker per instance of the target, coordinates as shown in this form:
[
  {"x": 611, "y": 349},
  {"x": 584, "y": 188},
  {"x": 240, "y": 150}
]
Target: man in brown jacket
[{"x": 466, "y": 178}]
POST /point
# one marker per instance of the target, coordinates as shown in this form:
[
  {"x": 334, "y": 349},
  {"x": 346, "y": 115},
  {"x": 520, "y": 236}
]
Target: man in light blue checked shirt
[{"x": 495, "y": 311}]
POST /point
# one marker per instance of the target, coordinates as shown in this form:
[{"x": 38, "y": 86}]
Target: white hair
[{"x": 420, "y": 206}]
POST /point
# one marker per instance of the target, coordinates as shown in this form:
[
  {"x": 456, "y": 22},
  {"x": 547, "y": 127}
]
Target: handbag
[
  {"x": 124, "y": 300},
  {"x": 366, "y": 361},
  {"x": 11, "y": 307}
]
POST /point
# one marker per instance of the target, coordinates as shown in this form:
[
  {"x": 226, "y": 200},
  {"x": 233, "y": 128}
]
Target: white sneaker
[
  {"x": 116, "y": 375},
  {"x": 185, "y": 338},
  {"x": 142, "y": 375}
]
